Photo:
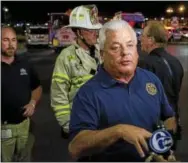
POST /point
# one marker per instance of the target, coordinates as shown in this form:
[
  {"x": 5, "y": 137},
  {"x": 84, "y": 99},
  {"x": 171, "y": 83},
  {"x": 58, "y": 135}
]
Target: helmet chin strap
[
  {"x": 91, "y": 52},
  {"x": 91, "y": 47},
  {"x": 84, "y": 41}
]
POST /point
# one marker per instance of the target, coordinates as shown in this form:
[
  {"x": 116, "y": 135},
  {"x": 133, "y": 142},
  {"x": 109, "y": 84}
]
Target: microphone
[
  {"x": 161, "y": 140},
  {"x": 160, "y": 144}
]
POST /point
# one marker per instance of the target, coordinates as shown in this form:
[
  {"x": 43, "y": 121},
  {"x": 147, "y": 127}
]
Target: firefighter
[{"x": 76, "y": 64}]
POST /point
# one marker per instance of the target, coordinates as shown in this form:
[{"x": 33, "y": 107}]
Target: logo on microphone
[{"x": 161, "y": 141}]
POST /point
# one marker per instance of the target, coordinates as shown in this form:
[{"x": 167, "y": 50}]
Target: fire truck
[
  {"x": 136, "y": 20},
  {"x": 59, "y": 35},
  {"x": 36, "y": 35}
]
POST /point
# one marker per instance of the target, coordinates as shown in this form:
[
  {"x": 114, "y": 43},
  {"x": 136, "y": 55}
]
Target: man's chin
[
  {"x": 93, "y": 42},
  {"x": 8, "y": 54},
  {"x": 126, "y": 70}
]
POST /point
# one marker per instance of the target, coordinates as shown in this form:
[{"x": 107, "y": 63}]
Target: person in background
[
  {"x": 76, "y": 63},
  {"x": 166, "y": 66},
  {"x": 21, "y": 91},
  {"x": 115, "y": 113}
]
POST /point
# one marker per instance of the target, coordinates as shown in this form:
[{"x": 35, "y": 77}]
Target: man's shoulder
[
  {"x": 170, "y": 57},
  {"x": 146, "y": 74},
  {"x": 23, "y": 59},
  {"x": 148, "y": 77},
  {"x": 172, "y": 60},
  {"x": 151, "y": 58},
  {"x": 91, "y": 86},
  {"x": 148, "y": 60},
  {"x": 70, "y": 50}
]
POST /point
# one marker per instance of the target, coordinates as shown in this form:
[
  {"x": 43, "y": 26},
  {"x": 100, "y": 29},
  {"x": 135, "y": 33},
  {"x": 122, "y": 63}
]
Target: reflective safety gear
[
  {"x": 85, "y": 16},
  {"x": 55, "y": 42},
  {"x": 72, "y": 69},
  {"x": 14, "y": 142}
]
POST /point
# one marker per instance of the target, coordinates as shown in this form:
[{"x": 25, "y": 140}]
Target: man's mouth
[{"x": 125, "y": 62}]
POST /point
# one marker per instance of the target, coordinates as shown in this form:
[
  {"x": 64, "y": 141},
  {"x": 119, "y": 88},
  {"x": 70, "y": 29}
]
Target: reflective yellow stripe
[
  {"x": 62, "y": 113},
  {"x": 62, "y": 110},
  {"x": 81, "y": 79},
  {"x": 59, "y": 107},
  {"x": 71, "y": 57},
  {"x": 79, "y": 85},
  {"x": 61, "y": 75},
  {"x": 58, "y": 80},
  {"x": 87, "y": 77},
  {"x": 81, "y": 16}
]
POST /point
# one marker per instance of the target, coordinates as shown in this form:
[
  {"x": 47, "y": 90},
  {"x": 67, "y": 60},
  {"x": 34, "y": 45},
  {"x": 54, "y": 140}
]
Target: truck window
[
  {"x": 60, "y": 21},
  {"x": 39, "y": 31}
]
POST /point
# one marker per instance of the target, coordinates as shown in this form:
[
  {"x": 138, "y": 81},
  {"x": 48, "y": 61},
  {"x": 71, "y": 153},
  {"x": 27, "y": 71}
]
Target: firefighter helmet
[{"x": 85, "y": 16}]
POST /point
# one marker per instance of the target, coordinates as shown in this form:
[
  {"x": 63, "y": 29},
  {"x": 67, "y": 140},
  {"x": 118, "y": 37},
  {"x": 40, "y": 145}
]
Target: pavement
[{"x": 49, "y": 146}]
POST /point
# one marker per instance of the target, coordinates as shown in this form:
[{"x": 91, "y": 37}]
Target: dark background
[{"x": 36, "y": 11}]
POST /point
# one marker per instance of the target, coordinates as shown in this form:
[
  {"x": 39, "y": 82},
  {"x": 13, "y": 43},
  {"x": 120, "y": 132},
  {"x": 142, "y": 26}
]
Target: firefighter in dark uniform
[
  {"x": 165, "y": 66},
  {"x": 21, "y": 92}
]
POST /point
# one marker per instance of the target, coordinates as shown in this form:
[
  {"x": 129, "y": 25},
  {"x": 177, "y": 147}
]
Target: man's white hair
[{"x": 115, "y": 25}]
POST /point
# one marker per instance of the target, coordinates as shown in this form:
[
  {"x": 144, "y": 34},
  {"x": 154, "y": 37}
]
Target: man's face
[
  {"x": 90, "y": 36},
  {"x": 145, "y": 40},
  {"x": 8, "y": 42},
  {"x": 120, "y": 52}
]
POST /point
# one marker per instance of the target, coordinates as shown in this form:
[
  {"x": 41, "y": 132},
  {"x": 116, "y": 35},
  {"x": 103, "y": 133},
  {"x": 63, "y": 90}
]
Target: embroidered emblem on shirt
[
  {"x": 151, "y": 88},
  {"x": 23, "y": 71}
]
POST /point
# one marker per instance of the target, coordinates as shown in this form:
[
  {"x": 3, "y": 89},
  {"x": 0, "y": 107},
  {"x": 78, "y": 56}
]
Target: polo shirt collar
[
  {"x": 16, "y": 59},
  {"x": 106, "y": 79}
]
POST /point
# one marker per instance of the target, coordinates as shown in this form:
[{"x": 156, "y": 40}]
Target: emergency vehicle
[
  {"x": 59, "y": 35},
  {"x": 37, "y": 35},
  {"x": 136, "y": 20}
]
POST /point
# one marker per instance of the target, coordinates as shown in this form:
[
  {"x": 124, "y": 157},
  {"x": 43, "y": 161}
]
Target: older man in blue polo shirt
[{"x": 115, "y": 112}]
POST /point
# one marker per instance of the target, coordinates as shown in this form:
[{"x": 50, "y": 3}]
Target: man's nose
[
  {"x": 11, "y": 43},
  {"x": 124, "y": 51}
]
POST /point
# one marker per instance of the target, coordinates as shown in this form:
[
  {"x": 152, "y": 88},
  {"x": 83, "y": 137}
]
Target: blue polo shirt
[{"x": 104, "y": 102}]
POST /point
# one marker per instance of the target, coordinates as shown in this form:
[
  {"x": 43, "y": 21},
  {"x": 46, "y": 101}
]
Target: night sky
[{"x": 36, "y": 11}]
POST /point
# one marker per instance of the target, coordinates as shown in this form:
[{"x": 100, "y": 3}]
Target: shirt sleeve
[
  {"x": 60, "y": 89},
  {"x": 84, "y": 114},
  {"x": 166, "y": 109},
  {"x": 34, "y": 80}
]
